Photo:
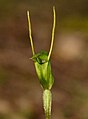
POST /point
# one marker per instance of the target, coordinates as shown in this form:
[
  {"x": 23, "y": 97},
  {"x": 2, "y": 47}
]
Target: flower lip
[
  {"x": 41, "y": 61},
  {"x": 41, "y": 57}
]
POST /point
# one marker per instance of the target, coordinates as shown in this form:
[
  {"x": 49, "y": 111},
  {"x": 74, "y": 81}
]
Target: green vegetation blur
[{"x": 20, "y": 91}]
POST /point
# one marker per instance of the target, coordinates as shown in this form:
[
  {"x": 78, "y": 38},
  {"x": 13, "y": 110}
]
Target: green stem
[{"x": 47, "y": 100}]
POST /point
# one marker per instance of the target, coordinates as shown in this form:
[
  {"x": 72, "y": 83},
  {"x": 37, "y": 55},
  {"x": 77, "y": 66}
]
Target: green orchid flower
[{"x": 43, "y": 68}]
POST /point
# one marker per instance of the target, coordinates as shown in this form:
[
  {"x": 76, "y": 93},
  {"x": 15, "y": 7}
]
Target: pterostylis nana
[{"x": 43, "y": 67}]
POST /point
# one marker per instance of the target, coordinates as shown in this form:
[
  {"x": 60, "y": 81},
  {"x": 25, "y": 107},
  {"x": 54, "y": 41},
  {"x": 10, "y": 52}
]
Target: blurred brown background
[{"x": 20, "y": 91}]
